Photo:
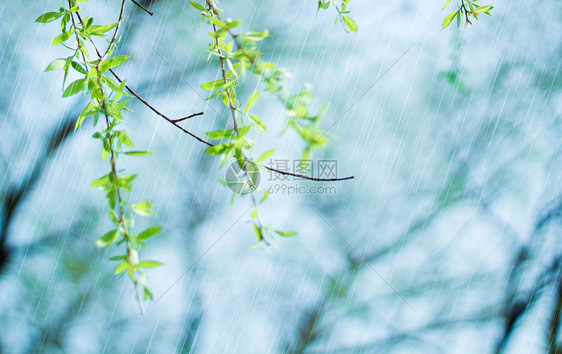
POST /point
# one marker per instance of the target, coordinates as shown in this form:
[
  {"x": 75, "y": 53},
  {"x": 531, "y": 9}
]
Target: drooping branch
[
  {"x": 175, "y": 121},
  {"x": 258, "y": 71},
  {"x": 151, "y": 107},
  {"x": 123, "y": 225}
]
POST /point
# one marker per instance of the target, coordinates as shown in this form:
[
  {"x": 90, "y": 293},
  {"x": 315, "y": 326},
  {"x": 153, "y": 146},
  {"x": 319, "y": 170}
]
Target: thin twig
[
  {"x": 307, "y": 177},
  {"x": 171, "y": 121},
  {"x": 114, "y": 38},
  {"x": 230, "y": 103},
  {"x": 145, "y": 102},
  {"x": 188, "y": 117},
  {"x": 142, "y": 7}
]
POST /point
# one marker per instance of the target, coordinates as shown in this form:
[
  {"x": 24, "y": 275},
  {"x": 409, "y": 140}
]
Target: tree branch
[
  {"x": 307, "y": 177},
  {"x": 142, "y": 7},
  {"x": 171, "y": 121},
  {"x": 519, "y": 306},
  {"x": 234, "y": 36},
  {"x": 16, "y": 195},
  {"x": 557, "y": 313},
  {"x": 145, "y": 102}
]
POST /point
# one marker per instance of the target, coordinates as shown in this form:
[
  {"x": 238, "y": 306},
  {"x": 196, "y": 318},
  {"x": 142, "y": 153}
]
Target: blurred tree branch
[
  {"x": 16, "y": 194},
  {"x": 517, "y": 304}
]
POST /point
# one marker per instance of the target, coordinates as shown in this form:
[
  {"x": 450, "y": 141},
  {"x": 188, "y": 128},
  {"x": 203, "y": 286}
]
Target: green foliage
[
  {"x": 466, "y": 10},
  {"x": 238, "y": 56},
  {"x": 239, "y": 59},
  {"x": 343, "y": 13},
  {"x": 49, "y": 17},
  {"x": 105, "y": 101}
]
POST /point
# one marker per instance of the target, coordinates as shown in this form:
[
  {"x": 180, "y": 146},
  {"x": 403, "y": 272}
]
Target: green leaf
[
  {"x": 212, "y": 85},
  {"x": 220, "y": 134},
  {"x": 450, "y": 17},
  {"x": 56, "y": 64},
  {"x": 100, "y": 30},
  {"x": 125, "y": 138},
  {"x": 125, "y": 182},
  {"x": 75, "y": 87},
  {"x": 218, "y": 22},
  {"x": 252, "y": 101},
  {"x": 148, "y": 294},
  {"x": 323, "y": 5},
  {"x": 313, "y": 136},
  {"x": 88, "y": 21},
  {"x": 266, "y": 155},
  {"x": 118, "y": 258},
  {"x": 197, "y": 6},
  {"x": 350, "y": 24},
  {"x": 78, "y": 67},
  {"x": 87, "y": 111},
  {"x": 106, "y": 149},
  {"x": 255, "y": 36},
  {"x": 113, "y": 62},
  {"x": 227, "y": 156},
  {"x": 258, "y": 121},
  {"x": 150, "y": 232},
  {"x": 138, "y": 153},
  {"x": 122, "y": 267},
  {"x": 63, "y": 37},
  {"x": 217, "y": 149},
  {"x": 100, "y": 182},
  {"x": 113, "y": 217},
  {"x": 143, "y": 208},
  {"x": 258, "y": 231},
  {"x": 49, "y": 17},
  {"x": 265, "y": 195},
  {"x": 232, "y": 24},
  {"x": 148, "y": 264},
  {"x": 446, "y": 4},
  {"x": 108, "y": 238},
  {"x": 231, "y": 67},
  {"x": 484, "y": 9},
  {"x": 242, "y": 131},
  {"x": 286, "y": 233}
]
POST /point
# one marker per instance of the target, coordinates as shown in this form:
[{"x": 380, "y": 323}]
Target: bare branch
[
  {"x": 188, "y": 117},
  {"x": 142, "y": 7},
  {"x": 307, "y": 177}
]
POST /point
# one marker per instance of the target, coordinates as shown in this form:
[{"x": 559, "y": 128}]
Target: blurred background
[{"x": 448, "y": 239}]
